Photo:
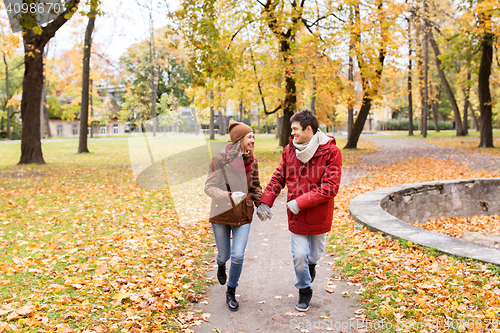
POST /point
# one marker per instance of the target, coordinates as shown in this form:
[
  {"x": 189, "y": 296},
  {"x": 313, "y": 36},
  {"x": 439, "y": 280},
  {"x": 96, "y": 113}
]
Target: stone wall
[{"x": 446, "y": 198}]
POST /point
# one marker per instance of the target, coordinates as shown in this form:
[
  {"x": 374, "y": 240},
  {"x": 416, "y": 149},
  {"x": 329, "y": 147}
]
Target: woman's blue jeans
[{"x": 222, "y": 235}]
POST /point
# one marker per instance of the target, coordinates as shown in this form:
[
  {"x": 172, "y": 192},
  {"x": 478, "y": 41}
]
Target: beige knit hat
[{"x": 238, "y": 130}]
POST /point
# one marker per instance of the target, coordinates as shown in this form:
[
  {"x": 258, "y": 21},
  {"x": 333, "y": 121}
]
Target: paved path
[
  {"x": 268, "y": 277},
  {"x": 267, "y": 280}
]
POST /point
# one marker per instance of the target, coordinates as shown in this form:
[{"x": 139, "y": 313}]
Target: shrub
[
  {"x": 443, "y": 125},
  {"x": 400, "y": 125}
]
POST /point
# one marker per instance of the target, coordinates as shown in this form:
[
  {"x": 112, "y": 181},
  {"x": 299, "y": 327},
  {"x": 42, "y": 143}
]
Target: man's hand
[
  {"x": 293, "y": 206},
  {"x": 264, "y": 212}
]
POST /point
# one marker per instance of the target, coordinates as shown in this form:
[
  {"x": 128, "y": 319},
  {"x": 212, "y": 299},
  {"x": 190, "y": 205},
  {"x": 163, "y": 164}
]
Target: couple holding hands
[{"x": 310, "y": 168}]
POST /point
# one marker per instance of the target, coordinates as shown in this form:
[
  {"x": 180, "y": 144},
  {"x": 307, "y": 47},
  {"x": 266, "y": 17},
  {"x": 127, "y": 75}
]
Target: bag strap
[
  {"x": 225, "y": 180},
  {"x": 227, "y": 186}
]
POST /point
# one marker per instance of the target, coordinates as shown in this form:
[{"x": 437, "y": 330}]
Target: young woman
[{"x": 234, "y": 186}]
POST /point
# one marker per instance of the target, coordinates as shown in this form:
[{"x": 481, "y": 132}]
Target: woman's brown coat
[{"x": 222, "y": 210}]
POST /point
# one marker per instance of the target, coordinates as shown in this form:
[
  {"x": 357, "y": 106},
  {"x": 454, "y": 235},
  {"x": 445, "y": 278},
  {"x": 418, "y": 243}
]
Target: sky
[{"x": 123, "y": 24}]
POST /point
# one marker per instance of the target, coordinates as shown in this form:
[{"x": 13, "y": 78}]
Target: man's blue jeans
[
  {"x": 306, "y": 249},
  {"x": 222, "y": 235}
]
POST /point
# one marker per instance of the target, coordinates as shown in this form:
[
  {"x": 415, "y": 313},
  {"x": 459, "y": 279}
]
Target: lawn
[{"x": 85, "y": 248}]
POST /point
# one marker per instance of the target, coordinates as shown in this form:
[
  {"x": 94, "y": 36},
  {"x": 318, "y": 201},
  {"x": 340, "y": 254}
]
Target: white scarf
[{"x": 305, "y": 151}]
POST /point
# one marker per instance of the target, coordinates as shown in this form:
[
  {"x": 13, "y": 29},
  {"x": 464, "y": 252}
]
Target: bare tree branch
[{"x": 261, "y": 3}]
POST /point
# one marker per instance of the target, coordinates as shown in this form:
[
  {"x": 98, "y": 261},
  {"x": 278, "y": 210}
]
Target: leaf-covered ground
[
  {"x": 405, "y": 284},
  {"x": 84, "y": 249},
  {"x": 457, "y": 226}
]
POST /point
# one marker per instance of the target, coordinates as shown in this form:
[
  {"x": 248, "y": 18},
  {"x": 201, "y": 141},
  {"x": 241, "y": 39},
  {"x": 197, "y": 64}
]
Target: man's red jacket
[{"x": 314, "y": 185}]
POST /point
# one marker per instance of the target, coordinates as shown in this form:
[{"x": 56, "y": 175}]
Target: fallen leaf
[{"x": 330, "y": 290}]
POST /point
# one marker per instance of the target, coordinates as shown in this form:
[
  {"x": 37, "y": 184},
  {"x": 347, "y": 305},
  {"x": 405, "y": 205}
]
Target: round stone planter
[{"x": 391, "y": 210}]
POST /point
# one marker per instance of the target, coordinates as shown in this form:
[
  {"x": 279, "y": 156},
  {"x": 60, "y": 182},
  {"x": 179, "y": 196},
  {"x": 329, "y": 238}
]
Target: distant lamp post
[{"x": 370, "y": 117}]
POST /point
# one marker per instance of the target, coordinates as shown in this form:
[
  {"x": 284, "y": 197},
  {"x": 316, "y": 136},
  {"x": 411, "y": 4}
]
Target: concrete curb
[{"x": 367, "y": 210}]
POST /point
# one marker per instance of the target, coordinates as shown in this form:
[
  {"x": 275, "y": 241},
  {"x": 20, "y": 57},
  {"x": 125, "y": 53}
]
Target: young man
[{"x": 311, "y": 168}]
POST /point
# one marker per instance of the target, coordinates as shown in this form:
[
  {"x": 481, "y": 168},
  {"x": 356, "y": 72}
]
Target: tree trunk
[
  {"x": 34, "y": 44},
  {"x": 286, "y": 38},
  {"x": 435, "y": 106},
  {"x": 447, "y": 88},
  {"x": 91, "y": 111},
  {"x": 426, "y": 85},
  {"x": 421, "y": 80},
  {"x": 353, "y": 38},
  {"x": 484, "y": 89},
  {"x": 350, "y": 106},
  {"x": 47, "y": 123},
  {"x": 290, "y": 102},
  {"x": 42, "y": 106},
  {"x": 212, "y": 117},
  {"x": 410, "y": 97},
  {"x": 222, "y": 123},
  {"x": 193, "y": 112},
  {"x": 474, "y": 117},
  {"x": 370, "y": 90},
  {"x": 7, "y": 95},
  {"x": 315, "y": 90},
  {"x": 84, "y": 113},
  {"x": 288, "y": 110},
  {"x": 31, "y": 146},
  {"x": 258, "y": 124},
  {"x": 279, "y": 122},
  {"x": 357, "y": 127},
  {"x": 466, "y": 91}
]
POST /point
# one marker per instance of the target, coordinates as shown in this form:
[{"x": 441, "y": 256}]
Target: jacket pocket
[
  {"x": 249, "y": 207},
  {"x": 317, "y": 214}
]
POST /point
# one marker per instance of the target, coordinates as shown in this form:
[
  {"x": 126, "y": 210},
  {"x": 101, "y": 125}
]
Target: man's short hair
[{"x": 305, "y": 118}]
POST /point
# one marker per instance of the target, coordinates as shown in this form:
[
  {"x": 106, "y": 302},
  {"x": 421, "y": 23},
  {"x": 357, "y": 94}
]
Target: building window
[
  {"x": 59, "y": 130},
  {"x": 115, "y": 128},
  {"x": 103, "y": 129},
  {"x": 75, "y": 129}
]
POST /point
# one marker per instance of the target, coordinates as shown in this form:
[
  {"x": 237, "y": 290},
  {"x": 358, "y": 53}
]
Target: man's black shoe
[
  {"x": 312, "y": 271},
  {"x": 305, "y": 296},
  {"x": 221, "y": 274},
  {"x": 231, "y": 301}
]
